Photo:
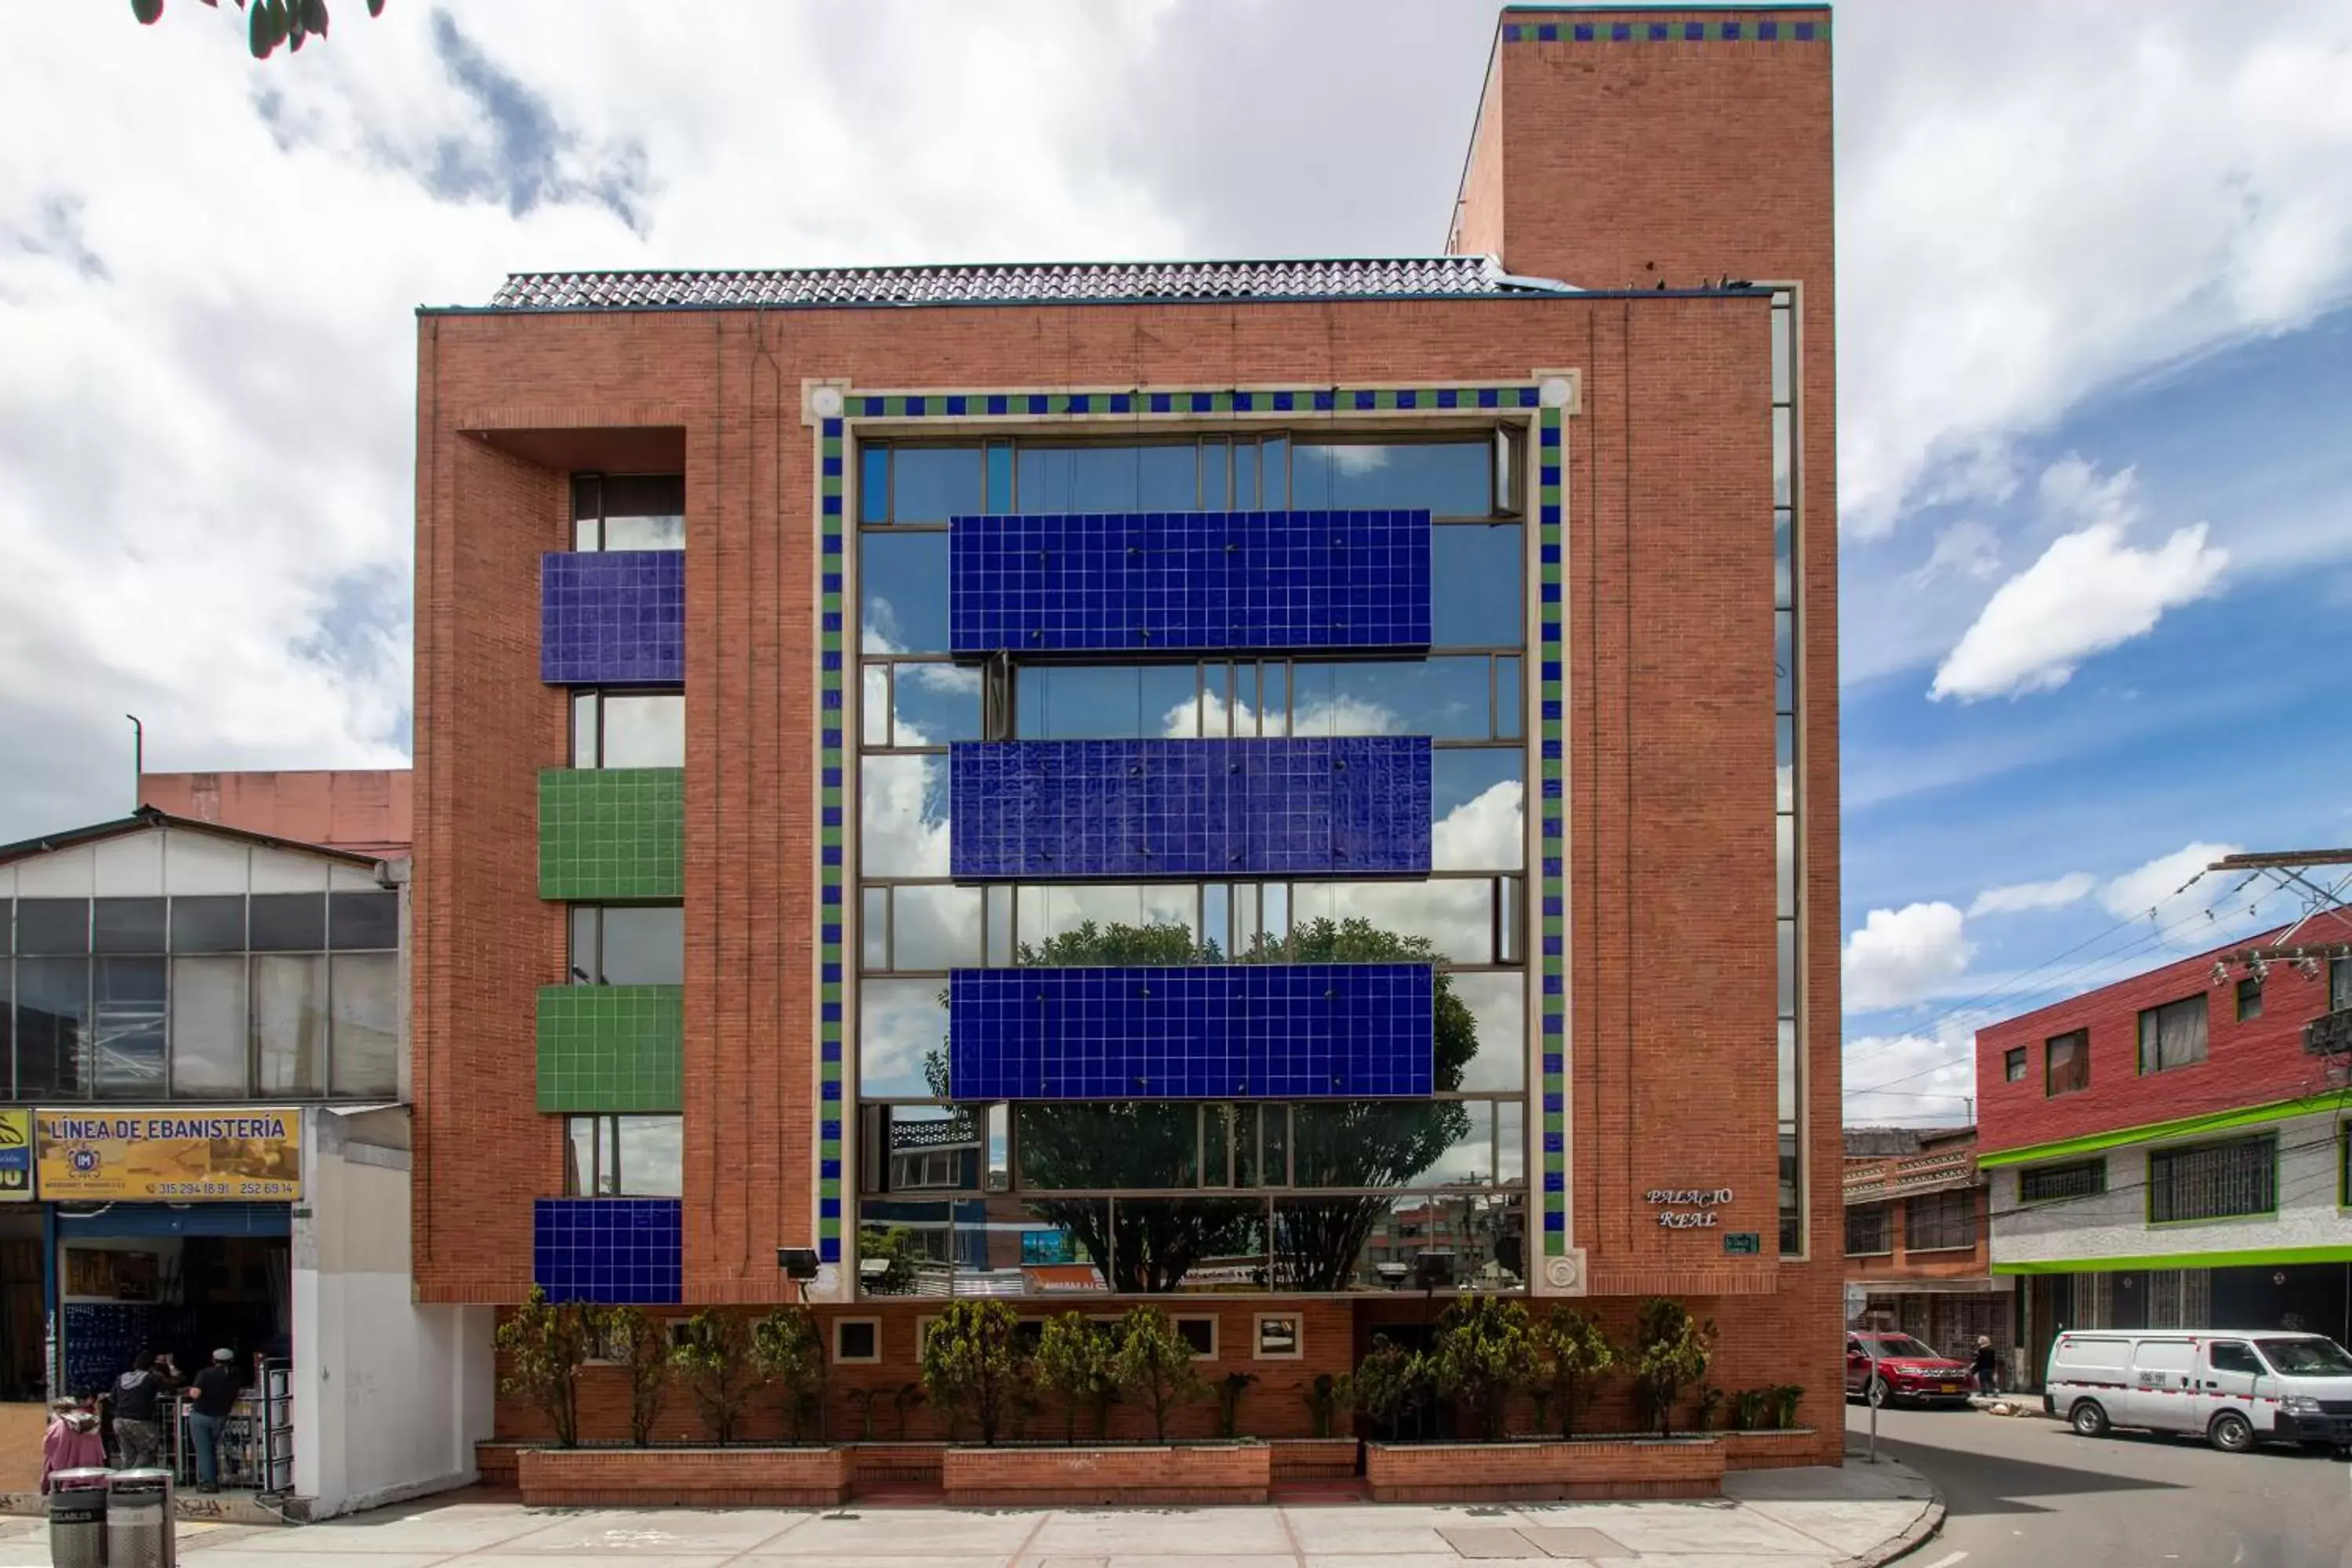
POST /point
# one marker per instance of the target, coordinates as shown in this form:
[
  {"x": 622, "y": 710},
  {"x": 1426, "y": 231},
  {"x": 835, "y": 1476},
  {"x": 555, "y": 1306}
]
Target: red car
[{"x": 1905, "y": 1370}]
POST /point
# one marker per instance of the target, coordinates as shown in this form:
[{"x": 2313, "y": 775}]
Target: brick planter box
[
  {"x": 685, "y": 1478},
  {"x": 1775, "y": 1450},
  {"x": 1314, "y": 1458},
  {"x": 1013, "y": 1477},
  {"x": 1545, "y": 1471},
  {"x": 496, "y": 1462}
]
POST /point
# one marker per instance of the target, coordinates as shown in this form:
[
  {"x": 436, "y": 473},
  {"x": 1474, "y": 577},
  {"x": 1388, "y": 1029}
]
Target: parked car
[
  {"x": 1884, "y": 1367},
  {"x": 2233, "y": 1389}
]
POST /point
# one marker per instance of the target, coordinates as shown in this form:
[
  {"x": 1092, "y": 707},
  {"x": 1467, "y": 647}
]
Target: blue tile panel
[
  {"x": 613, "y": 617},
  {"x": 1353, "y": 806},
  {"x": 1191, "y": 582},
  {"x": 1237, "y": 1031},
  {"x": 610, "y": 1251}
]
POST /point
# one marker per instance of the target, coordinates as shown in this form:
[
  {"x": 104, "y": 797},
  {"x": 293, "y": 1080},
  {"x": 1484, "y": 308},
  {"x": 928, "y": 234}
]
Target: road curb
[{"x": 1921, "y": 1530}]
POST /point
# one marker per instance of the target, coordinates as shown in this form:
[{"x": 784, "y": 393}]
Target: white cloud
[
  {"x": 1900, "y": 956},
  {"x": 2019, "y": 897},
  {"x": 2169, "y": 891},
  {"x": 2028, "y": 216},
  {"x": 1968, "y": 549},
  {"x": 1928, "y": 1077},
  {"x": 2091, "y": 590}
]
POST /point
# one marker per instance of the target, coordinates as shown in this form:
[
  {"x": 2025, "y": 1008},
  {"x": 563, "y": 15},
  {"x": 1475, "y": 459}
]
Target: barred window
[
  {"x": 1940, "y": 1222},
  {"x": 2172, "y": 1035},
  {"x": 1867, "y": 1232},
  {"x": 2013, "y": 1064},
  {"x": 2078, "y": 1179},
  {"x": 2213, "y": 1180}
]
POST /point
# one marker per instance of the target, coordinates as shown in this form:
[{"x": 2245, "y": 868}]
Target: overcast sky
[{"x": 2095, "y": 260}]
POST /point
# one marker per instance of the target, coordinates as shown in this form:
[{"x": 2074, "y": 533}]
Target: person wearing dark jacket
[
  {"x": 135, "y": 1396},
  {"x": 1987, "y": 1367},
  {"x": 215, "y": 1389}
]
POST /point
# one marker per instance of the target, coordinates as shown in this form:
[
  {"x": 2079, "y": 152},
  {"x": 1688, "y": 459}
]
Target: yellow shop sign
[{"x": 169, "y": 1156}]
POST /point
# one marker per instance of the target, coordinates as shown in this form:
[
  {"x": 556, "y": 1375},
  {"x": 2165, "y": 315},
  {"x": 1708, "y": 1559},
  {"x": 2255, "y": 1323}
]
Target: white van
[{"x": 2235, "y": 1389}]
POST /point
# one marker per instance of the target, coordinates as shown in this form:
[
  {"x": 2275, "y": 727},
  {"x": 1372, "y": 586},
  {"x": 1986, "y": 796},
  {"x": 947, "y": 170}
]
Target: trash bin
[
  {"x": 139, "y": 1520},
  {"x": 78, "y": 1518}
]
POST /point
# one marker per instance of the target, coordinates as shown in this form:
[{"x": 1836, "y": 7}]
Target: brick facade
[
  {"x": 1711, "y": 159},
  {"x": 2255, "y": 1062}
]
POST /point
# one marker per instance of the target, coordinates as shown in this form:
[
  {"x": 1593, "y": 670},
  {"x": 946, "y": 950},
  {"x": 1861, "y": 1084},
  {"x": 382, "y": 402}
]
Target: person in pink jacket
[{"x": 72, "y": 1441}]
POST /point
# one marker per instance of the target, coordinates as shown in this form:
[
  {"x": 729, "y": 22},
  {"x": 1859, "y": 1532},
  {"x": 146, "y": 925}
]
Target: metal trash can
[
  {"x": 139, "y": 1532},
  {"x": 78, "y": 1518}
]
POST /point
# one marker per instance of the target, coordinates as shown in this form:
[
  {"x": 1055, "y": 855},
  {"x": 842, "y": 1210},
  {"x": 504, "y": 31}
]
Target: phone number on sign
[{"x": 223, "y": 1189}]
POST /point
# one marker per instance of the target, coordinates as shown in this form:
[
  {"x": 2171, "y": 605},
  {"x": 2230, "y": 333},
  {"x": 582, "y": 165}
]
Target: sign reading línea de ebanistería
[
  {"x": 170, "y": 1156},
  {"x": 15, "y": 1156}
]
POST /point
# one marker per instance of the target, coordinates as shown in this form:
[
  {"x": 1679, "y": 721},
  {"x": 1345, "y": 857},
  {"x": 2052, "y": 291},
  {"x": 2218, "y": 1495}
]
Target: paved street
[
  {"x": 2029, "y": 1492},
  {"x": 1789, "y": 1518}
]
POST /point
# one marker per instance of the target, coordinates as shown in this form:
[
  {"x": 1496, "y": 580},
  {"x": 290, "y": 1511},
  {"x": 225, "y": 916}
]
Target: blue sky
[{"x": 2095, "y": 304}]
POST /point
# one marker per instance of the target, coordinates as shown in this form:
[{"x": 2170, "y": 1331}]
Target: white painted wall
[
  {"x": 389, "y": 1396},
  {"x": 2114, "y": 1224}
]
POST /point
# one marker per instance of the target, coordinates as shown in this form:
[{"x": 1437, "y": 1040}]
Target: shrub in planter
[
  {"x": 544, "y": 1345},
  {"x": 1078, "y": 1360},
  {"x": 908, "y": 1396},
  {"x": 790, "y": 1350},
  {"x": 1749, "y": 1408},
  {"x": 1671, "y": 1351},
  {"x": 1484, "y": 1353},
  {"x": 1392, "y": 1383},
  {"x": 1709, "y": 1408},
  {"x": 974, "y": 1365},
  {"x": 1573, "y": 1355},
  {"x": 714, "y": 1353},
  {"x": 1230, "y": 1389},
  {"x": 1155, "y": 1363},
  {"x": 1781, "y": 1402},
  {"x": 641, "y": 1345},
  {"x": 1328, "y": 1399}
]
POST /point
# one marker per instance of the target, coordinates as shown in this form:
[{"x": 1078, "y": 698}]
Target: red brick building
[
  {"x": 1915, "y": 1238},
  {"x": 2167, "y": 1151},
  {"x": 694, "y": 907}
]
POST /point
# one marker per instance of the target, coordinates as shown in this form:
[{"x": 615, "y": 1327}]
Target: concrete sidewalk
[{"x": 1818, "y": 1518}]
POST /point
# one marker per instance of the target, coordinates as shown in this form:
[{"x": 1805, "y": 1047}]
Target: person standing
[
  {"x": 136, "y": 1394},
  {"x": 1987, "y": 1367},
  {"x": 72, "y": 1441},
  {"x": 217, "y": 1388}
]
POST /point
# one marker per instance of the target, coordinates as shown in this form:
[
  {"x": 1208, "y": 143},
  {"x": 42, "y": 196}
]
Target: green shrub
[
  {"x": 714, "y": 1351},
  {"x": 1671, "y": 1351},
  {"x": 790, "y": 1349},
  {"x": 1155, "y": 1363},
  {"x": 974, "y": 1365},
  {"x": 1078, "y": 1360},
  {"x": 1392, "y": 1383},
  {"x": 543, "y": 1346},
  {"x": 1328, "y": 1399},
  {"x": 1572, "y": 1358},
  {"x": 1485, "y": 1352}
]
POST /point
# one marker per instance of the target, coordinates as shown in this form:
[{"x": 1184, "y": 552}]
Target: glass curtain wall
[
  {"x": 1178, "y": 1196},
  {"x": 1787, "y": 794}
]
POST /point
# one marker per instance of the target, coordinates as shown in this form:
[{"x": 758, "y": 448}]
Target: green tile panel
[
  {"x": 611, "y": 1047},
  {"x": 611, "y": 832}
]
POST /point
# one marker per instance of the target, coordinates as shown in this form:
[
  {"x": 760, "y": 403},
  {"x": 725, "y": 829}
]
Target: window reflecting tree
[{"x": 1150, "y": 1246}]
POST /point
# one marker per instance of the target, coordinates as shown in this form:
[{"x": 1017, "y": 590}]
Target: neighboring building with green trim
[{"x": 2165, "y": 1151}]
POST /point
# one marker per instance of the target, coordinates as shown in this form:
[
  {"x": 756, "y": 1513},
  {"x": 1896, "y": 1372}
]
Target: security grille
[
  {"x": 2213, "y": 1180},
  {"x": 2046, "y": 1184}
]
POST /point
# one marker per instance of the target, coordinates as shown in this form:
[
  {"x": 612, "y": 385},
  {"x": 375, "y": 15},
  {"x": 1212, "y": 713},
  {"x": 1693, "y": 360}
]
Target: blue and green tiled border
[
  {"x": 1015, "y": 405},
  {"x": 1745, "y": 29}
]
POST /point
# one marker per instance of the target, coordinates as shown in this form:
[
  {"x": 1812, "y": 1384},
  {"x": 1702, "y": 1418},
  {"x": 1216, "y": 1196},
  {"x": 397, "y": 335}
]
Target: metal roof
[
  {"x": 147, "y": 816},
  {"x": 1419, "y": 277}
]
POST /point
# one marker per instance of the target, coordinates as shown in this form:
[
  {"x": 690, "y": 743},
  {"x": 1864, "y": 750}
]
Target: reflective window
[
  {"x": 628, "y": 730},
  {"x": 1190, "y": 1244},
  {"x": 628, "y": 511},
  {"x": 903, "y": 583},
  {"x": 1098, "y": 1145},
  {"x": 903, "y": 816},
  {"x": 1081, "y": 702},
  {"x": 929, "y": 703},
  {"x": 902, "y": 1032},
  {"x": 1445, "y": 698},
  {"x": 1448, "y": 478},
  {"x": 935, "y": 927},
  {"x": 1159, "y": 476},
  {"x": 1108, "y": 922},
  {"x": 1436, "y": 1241},
  {"x": 932, "y": 484},
  {"x": 1476, "y": 808},
  {"x": 1477, "y": 577},
  {"x": 623, "y": 1156},
  {"x": 628, "y": 944},
  {"x": 1495, "y": 1055},
  {"x": 365, "y": 992}
]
